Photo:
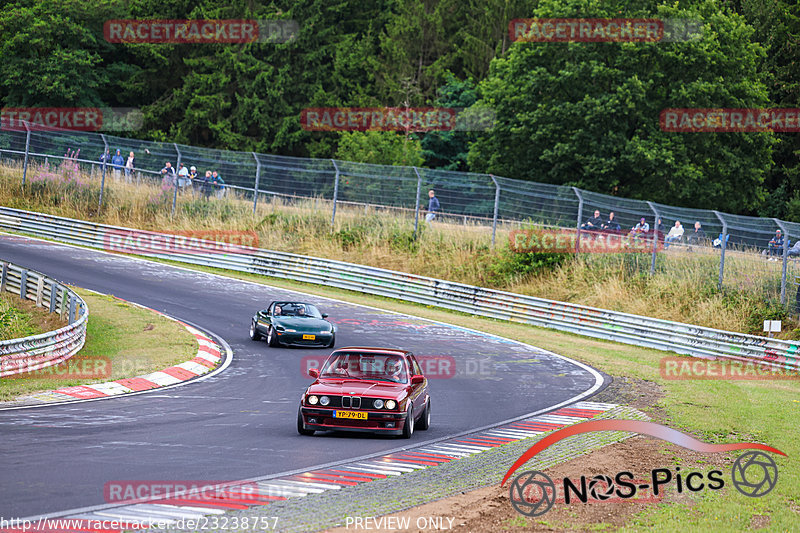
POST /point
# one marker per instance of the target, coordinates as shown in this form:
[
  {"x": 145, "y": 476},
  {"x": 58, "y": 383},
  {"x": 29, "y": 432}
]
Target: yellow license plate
[
  {"x": 350, "y": 414},
  {"x": 309, "y": 337}
]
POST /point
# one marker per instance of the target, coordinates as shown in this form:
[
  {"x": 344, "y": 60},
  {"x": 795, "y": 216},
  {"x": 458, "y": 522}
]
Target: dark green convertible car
[{"x": 293, "y": 324}]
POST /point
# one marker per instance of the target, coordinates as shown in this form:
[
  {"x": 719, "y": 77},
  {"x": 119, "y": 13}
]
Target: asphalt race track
[{"x": 241, "y": 423}]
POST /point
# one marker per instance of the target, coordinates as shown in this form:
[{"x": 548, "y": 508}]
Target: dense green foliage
[{"x": 583, "y": 114}]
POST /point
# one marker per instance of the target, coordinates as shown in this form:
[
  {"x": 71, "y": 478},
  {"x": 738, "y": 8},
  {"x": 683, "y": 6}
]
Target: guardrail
[
  {"x": 588, "y": 321},
  {"x": 40, "y": 351}
]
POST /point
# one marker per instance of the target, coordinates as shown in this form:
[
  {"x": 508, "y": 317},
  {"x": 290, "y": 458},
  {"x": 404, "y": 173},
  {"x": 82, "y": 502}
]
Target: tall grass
[
  {"x": 15, "y": 321},
  {"x": 684, "y": 287}
]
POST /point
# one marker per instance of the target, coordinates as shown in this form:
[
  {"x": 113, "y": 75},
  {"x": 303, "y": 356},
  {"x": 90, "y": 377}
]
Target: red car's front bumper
[{"x": 383, "y": 422}]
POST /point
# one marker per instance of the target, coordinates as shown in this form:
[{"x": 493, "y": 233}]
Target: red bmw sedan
[{"x": 374, "y": 390}]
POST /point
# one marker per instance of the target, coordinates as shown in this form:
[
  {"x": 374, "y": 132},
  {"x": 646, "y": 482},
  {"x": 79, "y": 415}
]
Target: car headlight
[
  {"x": 325, "y": 332},
  {"x": 324, "y": 400},
  {"x": 287, "y": 330},
  {"x": 378, "y": 404},
  {"x": 312, "y": 400},
  {"x": 391, "y": 404}
]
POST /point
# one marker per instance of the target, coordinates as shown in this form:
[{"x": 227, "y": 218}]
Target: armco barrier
[
  {"x": 47, "y": 349},
  {"x": 598, "y": 323}
]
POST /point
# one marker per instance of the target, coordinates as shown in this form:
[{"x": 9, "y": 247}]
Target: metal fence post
[
  {"x": 4, "y": 278},
  {"x": 784, "y": 259},
  {"x": 23, "y": 284},
  {"x": 655, "y": 237},
  {"x": 53, "y": 296},
  {"x": 416, "y": 202},
  {"x": 723, "y": 245},
  {"x": 175, "y": 180},
  {"x": 496, "y": 206},
  {"x": 580, "y": 216},
  {"x": 72, "y": 306},
  {"x": 27, "y": 150},
  {"x": 335, "y": 192},
  {"x": 105, "y": 161},
  {"x": 258, "y": 177}
]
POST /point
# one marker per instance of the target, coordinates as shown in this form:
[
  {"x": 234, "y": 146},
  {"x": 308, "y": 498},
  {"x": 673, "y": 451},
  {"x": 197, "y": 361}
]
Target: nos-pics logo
[{"x": 533, "y": 493}]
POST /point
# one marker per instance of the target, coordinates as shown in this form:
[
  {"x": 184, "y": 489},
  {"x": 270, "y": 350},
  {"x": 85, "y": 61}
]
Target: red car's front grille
[{"x": 353, "y": 402}]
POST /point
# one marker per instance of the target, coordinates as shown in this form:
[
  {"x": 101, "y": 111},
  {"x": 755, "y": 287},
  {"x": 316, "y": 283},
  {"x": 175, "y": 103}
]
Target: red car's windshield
[{"x": 377, "y": 367}]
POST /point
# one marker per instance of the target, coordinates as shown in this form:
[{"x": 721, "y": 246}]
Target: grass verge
[
  {"x": 684, "y": 286},
  {"x": 122, "y": 341},
  {"x": 21, "y": 318},
  {"x": 714, "y": 411}
]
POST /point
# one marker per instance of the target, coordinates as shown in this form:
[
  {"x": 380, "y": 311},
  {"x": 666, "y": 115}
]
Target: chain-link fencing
[{"x": 734, "y": 252}]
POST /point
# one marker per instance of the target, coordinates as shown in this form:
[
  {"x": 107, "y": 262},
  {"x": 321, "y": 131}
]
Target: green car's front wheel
[
  {"x": 333, "y": 341},
  {"x": 272, "y": 337},
  {"x": 254, "y": 334}
]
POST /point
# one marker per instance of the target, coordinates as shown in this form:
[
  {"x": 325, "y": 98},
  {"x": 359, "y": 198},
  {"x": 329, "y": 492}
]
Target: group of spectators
[
  {"x": 119, "y": 163},
  {"x": 676, "y": 233},
  {"x": 210, "y": 183}
]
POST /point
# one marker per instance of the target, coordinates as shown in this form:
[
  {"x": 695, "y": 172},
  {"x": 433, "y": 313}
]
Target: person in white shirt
[
  {"x": 675, "y": 234},
  {"x": 183, "y": 176}
]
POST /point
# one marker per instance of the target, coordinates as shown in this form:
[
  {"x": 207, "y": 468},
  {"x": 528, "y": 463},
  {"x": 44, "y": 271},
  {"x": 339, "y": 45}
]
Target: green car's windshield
[
  {"x": 295, "y": 309},
  {"x": 374, "y": 367}
]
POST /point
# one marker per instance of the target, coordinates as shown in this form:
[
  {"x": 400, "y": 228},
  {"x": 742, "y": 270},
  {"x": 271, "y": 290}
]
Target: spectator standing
[
  {"x": 206, "y": 185},
  {"x": 219, "y": 184},
  {"x": 106, "y": 157},
  {"x": 696, "y": 236},
  {"x": 775, "y": 246},
  {"x": 118, "y": 162},
  {"x": 659, "y": 228},
  {"x": 594, "y": 223},
  {"x": 183, "y": 176},
  {"x": 675, "y": 234},
  {"x": 169, "y": 175},
  {"x": 129, "y": 167},
  {"x": 611, "y": 224},
  {"x": 195, "y": 184},
  {"x": 433, "y": 206}
]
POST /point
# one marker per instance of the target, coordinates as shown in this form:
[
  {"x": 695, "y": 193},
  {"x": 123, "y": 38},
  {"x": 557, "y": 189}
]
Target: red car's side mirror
[
  {"x": 417, "y": 379},
  {"x": 313, "y": 372}
]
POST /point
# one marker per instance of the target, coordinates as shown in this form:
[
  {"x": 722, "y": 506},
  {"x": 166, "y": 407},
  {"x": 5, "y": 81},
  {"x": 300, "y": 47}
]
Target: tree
[
  {"x": 447, "y": 150},
  {"x": 587, "y": 114},
  {"x": 380, "y": 148},
  {"x": 777, "y": 28}
]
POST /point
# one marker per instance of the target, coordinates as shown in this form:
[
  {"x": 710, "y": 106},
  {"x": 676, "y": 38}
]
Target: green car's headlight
[
  {"x": 290, "y": 330},
  {"x": 312, "y": 400},
  {"x": 391, "y": 404}
]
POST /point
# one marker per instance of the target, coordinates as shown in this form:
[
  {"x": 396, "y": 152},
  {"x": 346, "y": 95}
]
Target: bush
[{"x": 509, "y": 267}]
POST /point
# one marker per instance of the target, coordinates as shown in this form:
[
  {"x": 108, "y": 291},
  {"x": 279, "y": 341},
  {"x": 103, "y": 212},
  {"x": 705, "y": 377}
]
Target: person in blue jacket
[
  {"x": 118, "y": 163},
  {"x": 433, "y": 206}
]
